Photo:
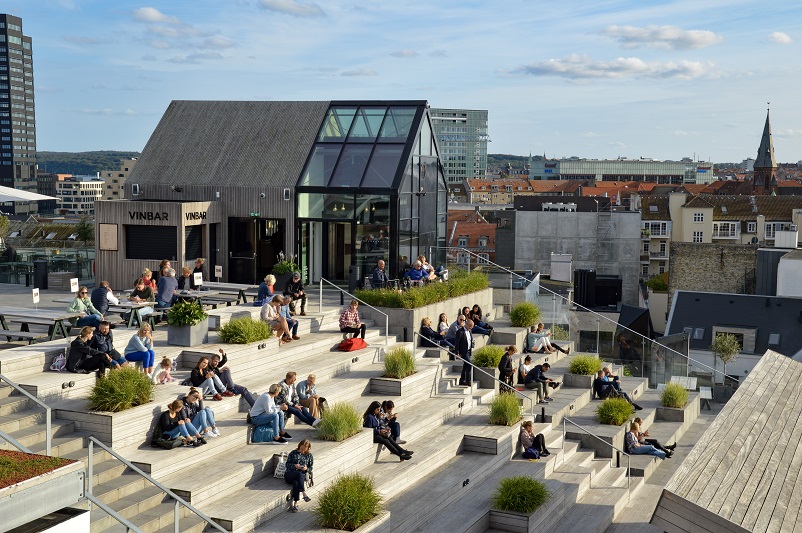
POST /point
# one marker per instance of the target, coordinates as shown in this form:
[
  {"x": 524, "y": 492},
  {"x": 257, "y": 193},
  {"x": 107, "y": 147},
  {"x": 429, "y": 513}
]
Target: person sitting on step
[
  {"x": 271, "y": 313},
  {"x": 539, "y": 340},
  {"x": 217, "y": 364},
  {"x": 295, "y": 290},
  {"x": 536, "y": 380},
  {"x": 82, "y": 358},
  {"x": 643, "y": 439},
  {"x": 299, "y": 468},
  {"x": 265, "y": 411},
  {"x": 204, "y": 378},
  {"x": 289, "y": 397},
  {"x": 292, "y": 324},
  {"x": 382, "y": 435},
  {"x": 431, "y": 338},
  {"x": 173, "y": 425},
  {"x": 266, "y": 288},
  {"x": 388, "y": 419},
  {"x": 309, "y": 398},
  {"x": 350, "y": 322},
  {"x": 199, "y": 416},
  {"x": 164, "y": 371},
  {"x": 140, "y": 348},
  {"x": 532, "y": 443},
  {"x": 633, "y": 446},
  {"x": 103, "y": 340},
  {"x": 523, "y": 369},
  {"x": 615, "y": 382}
]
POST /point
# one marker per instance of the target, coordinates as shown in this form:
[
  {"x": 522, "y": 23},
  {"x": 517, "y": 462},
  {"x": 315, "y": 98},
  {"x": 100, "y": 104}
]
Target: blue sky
[{"x": 663, "y": 79}]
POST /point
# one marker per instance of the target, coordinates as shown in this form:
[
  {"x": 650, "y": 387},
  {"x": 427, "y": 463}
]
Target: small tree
[
  {"x": 85, "y": 231},
  {"x": 726, "y": 347},
  {"x": 4, "y": 225}
]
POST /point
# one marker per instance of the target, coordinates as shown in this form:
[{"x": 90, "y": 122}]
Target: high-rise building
[
  {"x": 462, "y": 137},
  {"x": 17, "y": 116}
]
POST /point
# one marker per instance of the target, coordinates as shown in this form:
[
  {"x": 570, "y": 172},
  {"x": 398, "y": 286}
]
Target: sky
[{"x": 596, "y": 79}]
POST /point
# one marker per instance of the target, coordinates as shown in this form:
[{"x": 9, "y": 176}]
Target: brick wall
[{"x": 712, "y": 268}]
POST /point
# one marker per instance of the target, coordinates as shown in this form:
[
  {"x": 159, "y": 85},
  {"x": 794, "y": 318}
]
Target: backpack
[
  {"x": 160, "y": 440},
  {"x": 350, "y": 345},
  {"x": 263, "y": 433},
  {"x": 59, "y": 364}
]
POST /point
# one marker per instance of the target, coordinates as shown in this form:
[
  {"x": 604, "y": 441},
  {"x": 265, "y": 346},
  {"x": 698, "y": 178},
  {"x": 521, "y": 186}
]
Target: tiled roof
[
  {"x": 775, "y": 208},
  {"x": 648, "y": 205}
]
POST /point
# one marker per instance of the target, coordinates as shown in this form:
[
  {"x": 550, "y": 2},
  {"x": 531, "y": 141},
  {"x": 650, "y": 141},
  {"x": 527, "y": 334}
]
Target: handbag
[{"x": 281, "y": 465}]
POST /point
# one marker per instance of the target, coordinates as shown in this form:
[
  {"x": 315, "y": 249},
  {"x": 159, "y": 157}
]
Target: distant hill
[
  {"x": 81, "y": 163},
  {"x": 497, "y": 161}
]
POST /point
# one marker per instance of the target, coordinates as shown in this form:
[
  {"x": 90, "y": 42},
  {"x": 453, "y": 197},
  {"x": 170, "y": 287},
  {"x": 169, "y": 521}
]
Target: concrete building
[
  {"x": 77, "y": 195},
  {"x": 597, "y": 237},
  {"x": 114, "y": 188},
  {"x": 789, "y": 275},
  {"x": 462, "y": 138},
  {"x": 17, "y": 113},
  {"x": 640, "y": 170}
]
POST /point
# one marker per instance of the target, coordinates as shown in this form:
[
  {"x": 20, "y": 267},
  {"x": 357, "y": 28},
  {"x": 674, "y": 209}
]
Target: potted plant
[
  {"x": 673, "y": 401},
  {"x": 487, "y": 358},
  {"x": 187, "y": 324},
  {"x": 517, "y": 502},
  {"x": 504, "y": 410},
  {"x": 581, "y": 371},
  {"x": 348, "y": 502},
  {"x": 726, "y": 347},
  {"x": 614, "y": 411},
  {"x": 283, "y": 270},
  {"x": 524, "y": 314}
]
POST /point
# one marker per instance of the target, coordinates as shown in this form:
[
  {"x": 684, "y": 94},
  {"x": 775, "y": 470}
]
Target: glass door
[{"x": 338, "y": 248}]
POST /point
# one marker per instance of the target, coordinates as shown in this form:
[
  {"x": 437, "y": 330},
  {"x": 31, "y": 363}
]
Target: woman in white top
[
  {"x": 266, "y": 412},
  {"x": 271, "y": 313}
]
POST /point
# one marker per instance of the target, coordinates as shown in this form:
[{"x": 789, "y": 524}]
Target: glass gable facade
[{"x": 372, "y": 188}]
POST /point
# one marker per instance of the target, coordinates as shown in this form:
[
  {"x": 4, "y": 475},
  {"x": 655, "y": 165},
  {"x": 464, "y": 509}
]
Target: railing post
[
  {"x": 386, "y": 331},
  {"x": 510, "y": 293},
  {"x": 598, "y": 347},
  {"x": 563, "y": 442},
  {"x": 642, "y": 355},
  {"x": 176, "y": 518},
  {"x": 49, "y": 427},
  {"x": 320, "y": 298},
  {"x": 89, "y": 470}
]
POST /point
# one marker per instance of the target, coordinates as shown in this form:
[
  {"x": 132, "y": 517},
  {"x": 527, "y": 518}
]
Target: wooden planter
[
  {"x": 544, "y": 518},
  {"x": 189, "y": 335},
  {"x": 686, "y": 415}
]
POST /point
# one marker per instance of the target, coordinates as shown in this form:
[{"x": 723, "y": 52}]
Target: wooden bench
[
  {"x": 22, "y": 335},
  {"x": 214, "y": 301},
  {"x": 25, "y": 322},
  {"x": 706, "y": 396}
]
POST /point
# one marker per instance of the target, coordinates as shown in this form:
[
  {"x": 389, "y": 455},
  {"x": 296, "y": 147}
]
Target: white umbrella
[{"x": 9, "y": 194}]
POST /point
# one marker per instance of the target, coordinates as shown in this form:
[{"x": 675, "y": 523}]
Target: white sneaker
[
  {"x": 216, "y": 432},
  {"x": 400, "y": 441},
  {"x": 211, "y": 434},
  {"x": 316, "y": 422}
]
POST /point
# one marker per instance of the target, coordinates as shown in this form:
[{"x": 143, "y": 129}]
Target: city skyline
[{"x": 603, "y": 80}]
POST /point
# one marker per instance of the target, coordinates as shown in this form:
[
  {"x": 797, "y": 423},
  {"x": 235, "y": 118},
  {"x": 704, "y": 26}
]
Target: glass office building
[{"x": 373, "y": 188}]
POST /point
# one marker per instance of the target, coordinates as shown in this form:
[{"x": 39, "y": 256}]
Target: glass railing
[{"x": 16, "y": 267}]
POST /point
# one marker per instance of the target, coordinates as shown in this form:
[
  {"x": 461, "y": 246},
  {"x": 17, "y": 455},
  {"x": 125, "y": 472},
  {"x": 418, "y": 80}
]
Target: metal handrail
[
  {"x": 178, "y": 500},
  {"x": 629, "y": 457},
  {"x": 5, "y": 436},
  {"x": 109, "y": 511},
  {"x": 506, "y": 386},
  {"x": 599, "y": 315},
  {"x": 386, "y": 316},
  {"x": 48, "y": 412}
]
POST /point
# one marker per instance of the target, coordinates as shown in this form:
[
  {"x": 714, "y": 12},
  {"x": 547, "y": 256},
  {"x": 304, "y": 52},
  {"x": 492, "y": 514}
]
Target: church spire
[{"x": 764, "y": 179}]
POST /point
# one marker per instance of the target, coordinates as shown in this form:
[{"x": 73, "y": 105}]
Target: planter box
[
  {"x": 578, "y": 381},
  {"x": 406, "y": 321},
  {"x": 189, "y": 335},
  {"x": 543, "y": 519},
  {"x": 485, "y": 381},
  {"x": 39, "y": 496},
  {"x": 687, "y": 414},
  {"x": 419, "y": 381}
]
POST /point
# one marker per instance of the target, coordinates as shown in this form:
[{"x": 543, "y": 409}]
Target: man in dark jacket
[
  {"x": 103, "y": 341},
  {"x": 462, "y": 344},
  {"x": 102, "y": 297},
  {"x": 536, "y": 380},
  {"x": 380, "y": 279},
  {"x": 295, "y": 290},
  {"x": 217, "y": 364},
  {"x": 82, "y": 358}
]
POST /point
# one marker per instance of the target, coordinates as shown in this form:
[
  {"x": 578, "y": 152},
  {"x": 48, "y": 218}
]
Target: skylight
[
  {"x": 653, "y": 209},
  {"x": 698, "y": 334},
  {"x": 774, "y": 339}
]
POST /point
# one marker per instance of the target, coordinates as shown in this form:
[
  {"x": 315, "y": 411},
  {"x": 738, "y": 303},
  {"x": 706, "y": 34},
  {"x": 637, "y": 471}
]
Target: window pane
[
  {"x": 338, "y": 122},
  {"x": 320, "y": 165},
  {"x": 383, "y": 166},
  {"x": 310, "y": 205},
  {"x": 367, "y": 123},
  {"x": 397, "y": 124},
  {"x": 352, "y": 165}
]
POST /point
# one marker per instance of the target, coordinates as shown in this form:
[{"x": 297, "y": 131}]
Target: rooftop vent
[
  {"x": 724, "y": 209},
  {"x": 698, "y": 334},
  {"x": 72, "y": 237},
  {"x": 653, "y": 209},
  {"x": 774, "y": 339},
  {"x": 50, "y": 235},
  {"x": 14, "y": 234}
]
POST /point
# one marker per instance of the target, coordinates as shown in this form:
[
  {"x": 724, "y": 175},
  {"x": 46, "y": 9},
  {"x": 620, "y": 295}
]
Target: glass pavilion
[{"x": 372, "y": 188}]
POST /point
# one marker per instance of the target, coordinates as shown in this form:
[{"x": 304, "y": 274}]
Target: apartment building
[{"x": 114, "y": 188}]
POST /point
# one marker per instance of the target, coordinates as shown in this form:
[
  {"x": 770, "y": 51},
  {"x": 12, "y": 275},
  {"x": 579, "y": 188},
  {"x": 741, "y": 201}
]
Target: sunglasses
[{"x": 83, "y": 292}]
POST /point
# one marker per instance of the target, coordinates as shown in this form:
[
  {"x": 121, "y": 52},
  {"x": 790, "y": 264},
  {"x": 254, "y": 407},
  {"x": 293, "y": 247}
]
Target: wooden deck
[{"x": 744, "y": 473}]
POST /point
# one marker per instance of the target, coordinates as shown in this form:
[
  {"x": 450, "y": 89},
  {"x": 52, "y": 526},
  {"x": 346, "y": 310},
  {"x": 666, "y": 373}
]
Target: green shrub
[
  {"x": 505, "y": 409},
  {"x": 614, "y": 411},
  {"x": 348, "y": 502},
  {"x": 458, "y": 284},
  {"x": 186, "y": 313},
  {"x": 559, "y": 333},
  {"x": 245, "y": 330},
  {"x": 399, "y": 362},
  {"x": 339, "y": 422},
  {"x": 521, "y": 494},
  {"x": 584, "y": 365},
  {"x": 525, "y": 314},
  {"x": 658, "y": 283},
  {"x": 120, "y": 390},
  {"x": 488, "y": 356},
  {"x": 675, "y": 395}
]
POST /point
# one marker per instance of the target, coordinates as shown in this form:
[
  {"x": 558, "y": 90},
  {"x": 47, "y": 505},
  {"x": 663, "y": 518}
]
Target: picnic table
[
  {"x": 54, "y": 319},
  {"x": 132, "y": 309},
  {"x": 196, "y": 295},
  {"x": 231, "y": 288}
]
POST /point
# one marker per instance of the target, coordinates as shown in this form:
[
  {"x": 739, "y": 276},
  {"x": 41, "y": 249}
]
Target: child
[{"x": 164, "y": 376}]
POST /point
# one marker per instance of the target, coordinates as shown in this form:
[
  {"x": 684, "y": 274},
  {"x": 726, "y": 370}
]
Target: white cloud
[
  {"x": 151, "y": 14},
  {"x": 160, "y": 45},
  {"x": 438, "y": 53},
  {"x": 590, "y": 134},
  {"x": 404, "y": 53},
  {"x": 780, "y": 38},
  {"x": 196, "y": 57},
  {"x": 582, "y": 67},
  {"x": 362, "y": 71},
  {"x": 293, "y": 7},
  {"x": 665, "y": 37},
  {"x": 218, "y": 41}
]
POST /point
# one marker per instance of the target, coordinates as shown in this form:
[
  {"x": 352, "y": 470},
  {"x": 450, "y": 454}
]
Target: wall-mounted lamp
[
  {"x": 373, "y": 208},
  {"x": 335, "y": 208}
]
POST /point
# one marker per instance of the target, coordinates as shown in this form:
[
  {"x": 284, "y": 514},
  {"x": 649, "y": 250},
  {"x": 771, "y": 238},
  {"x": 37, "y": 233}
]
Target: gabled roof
[
  {"x": 768, "y": 314},
  {"x": 774, "y": 208},
  {"x": 654, "y": 207},
  {"x": 246, "y": 143},
  {"x": 765, "y": 153}
]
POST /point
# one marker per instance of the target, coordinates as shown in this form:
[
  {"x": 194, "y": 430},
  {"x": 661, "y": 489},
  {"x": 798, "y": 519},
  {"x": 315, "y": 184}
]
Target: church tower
[{"x": 764, "y": 180}]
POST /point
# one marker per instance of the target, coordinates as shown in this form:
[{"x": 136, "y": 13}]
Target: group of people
[
  {"x": 606, "y": 384},
  {"x": 93, "y": 351},
  {"x": 420, "y": 273},
  {"x": 286, "y": 399},
  {"x": 164, "y": 285},
  {"x": 381, "y": 418},
  {"x": 446, "y": 333},
  {"x": 293, "y": 291},
  {"x": 539, "y": 341},
  {"x": 278, "y": 310}
]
